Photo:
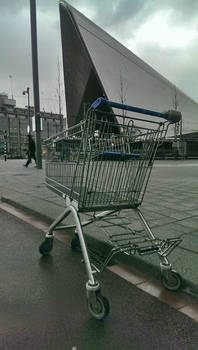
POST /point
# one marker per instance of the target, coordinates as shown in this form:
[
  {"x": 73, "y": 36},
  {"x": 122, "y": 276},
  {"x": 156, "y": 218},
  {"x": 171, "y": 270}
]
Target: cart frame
[{"x": 101, "y": 150}]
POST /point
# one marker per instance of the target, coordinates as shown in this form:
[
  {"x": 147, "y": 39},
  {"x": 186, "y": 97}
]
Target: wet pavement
[{"x": 43, "y": 302}]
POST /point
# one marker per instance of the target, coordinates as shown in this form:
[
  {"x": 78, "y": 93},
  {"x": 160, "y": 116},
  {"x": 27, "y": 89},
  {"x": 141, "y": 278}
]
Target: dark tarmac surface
[{"x": 43, "y": 303}]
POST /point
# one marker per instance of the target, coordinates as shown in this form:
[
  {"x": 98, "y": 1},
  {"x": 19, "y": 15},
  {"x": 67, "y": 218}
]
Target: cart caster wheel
[
  {"x": 75, "y": 243},
  {"x": 171, "y": 280},
  {"x": 46, "y": 247},
  {"x": 98, "y": 308}
]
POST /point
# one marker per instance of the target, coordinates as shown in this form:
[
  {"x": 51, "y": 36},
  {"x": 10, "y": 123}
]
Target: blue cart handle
[{"x": 172, "y": 116}]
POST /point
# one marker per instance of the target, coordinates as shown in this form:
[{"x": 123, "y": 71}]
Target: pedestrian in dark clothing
[{"x": 31, "y": 151}]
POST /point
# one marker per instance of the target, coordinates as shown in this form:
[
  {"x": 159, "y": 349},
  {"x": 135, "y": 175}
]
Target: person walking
[{"x": 31, "y": 151}]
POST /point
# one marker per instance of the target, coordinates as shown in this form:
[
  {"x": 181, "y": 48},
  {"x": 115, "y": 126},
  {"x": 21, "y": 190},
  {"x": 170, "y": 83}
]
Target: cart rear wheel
[
  {"x": 98, "y": 308},
  {"x": 171, "y": 280},
  {"x": 46, "y": 247}
]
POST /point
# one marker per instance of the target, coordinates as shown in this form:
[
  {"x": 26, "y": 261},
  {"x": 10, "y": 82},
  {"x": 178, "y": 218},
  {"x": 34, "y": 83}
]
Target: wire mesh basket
[{"x": 102, "y": 164}]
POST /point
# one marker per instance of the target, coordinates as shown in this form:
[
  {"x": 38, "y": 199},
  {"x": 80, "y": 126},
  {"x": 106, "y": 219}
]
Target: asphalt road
[{"x": 43, "y": 302}]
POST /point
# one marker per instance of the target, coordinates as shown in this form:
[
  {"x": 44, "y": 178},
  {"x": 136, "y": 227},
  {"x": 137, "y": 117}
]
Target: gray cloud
[
  {"x": 120, "y": 18},
  {"x": 123, "y": 17},
  {"x": 16, "y": 55},
  {"x": 184, "y": 10},
  {"x": 118, "y": 12},
  {"x": 12, "y": 7}
]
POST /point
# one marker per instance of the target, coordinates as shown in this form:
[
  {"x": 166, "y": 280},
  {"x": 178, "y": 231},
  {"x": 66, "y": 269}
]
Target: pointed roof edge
[
  {"x": 70, "y": 9},
  {"x": 127, "y": 52}
]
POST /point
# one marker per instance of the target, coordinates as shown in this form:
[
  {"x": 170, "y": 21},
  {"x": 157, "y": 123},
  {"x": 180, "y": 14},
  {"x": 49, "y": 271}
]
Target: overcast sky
[{"x": 162, "y": 33}]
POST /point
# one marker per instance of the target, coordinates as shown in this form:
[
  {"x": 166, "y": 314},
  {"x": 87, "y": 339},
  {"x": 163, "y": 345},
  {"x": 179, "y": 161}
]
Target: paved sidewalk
[{"x": 170, "y": 205}]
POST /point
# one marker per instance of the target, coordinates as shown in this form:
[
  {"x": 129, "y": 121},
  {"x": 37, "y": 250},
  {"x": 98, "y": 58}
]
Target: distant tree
[
  {"x": 122, "y": 93},
  {"x": 59, "y": 89}
]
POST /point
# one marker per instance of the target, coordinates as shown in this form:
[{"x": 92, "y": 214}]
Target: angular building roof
[{"x": 95, "y": 64}]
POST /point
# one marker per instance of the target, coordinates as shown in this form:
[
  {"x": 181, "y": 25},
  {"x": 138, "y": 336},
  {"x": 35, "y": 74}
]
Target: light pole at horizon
[
  {"x": 11, "y": 86},
  {"x": 27, "y": 91}
]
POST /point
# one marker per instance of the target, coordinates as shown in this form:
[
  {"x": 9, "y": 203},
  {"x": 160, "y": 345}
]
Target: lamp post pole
[{"x": 35, "y": 82}]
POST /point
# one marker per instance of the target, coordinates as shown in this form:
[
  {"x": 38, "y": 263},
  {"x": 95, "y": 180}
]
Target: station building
[
  {"x": 14, "y": 123},
  {"x": 95, "y": 65}
]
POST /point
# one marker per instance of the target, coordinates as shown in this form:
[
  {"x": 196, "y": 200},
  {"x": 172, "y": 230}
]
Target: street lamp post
[
  {"x": 27, "y": 91},
  {"x": 36, "y": 82}
]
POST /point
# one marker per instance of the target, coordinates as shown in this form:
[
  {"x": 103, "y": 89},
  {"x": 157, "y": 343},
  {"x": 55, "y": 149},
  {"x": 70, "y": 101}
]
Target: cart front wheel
[
  {"x": 99, "y": 306},
  {"x": 171, "y": 280},
  {"x": 46, "y": 247}
]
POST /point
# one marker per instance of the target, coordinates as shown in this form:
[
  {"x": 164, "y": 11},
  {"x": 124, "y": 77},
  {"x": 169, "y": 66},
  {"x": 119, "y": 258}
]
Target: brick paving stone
[{"x": 190, "y": 242}]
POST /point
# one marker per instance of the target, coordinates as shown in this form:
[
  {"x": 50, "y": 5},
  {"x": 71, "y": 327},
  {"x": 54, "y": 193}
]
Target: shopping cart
[{"x": 101, "y": 166}]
